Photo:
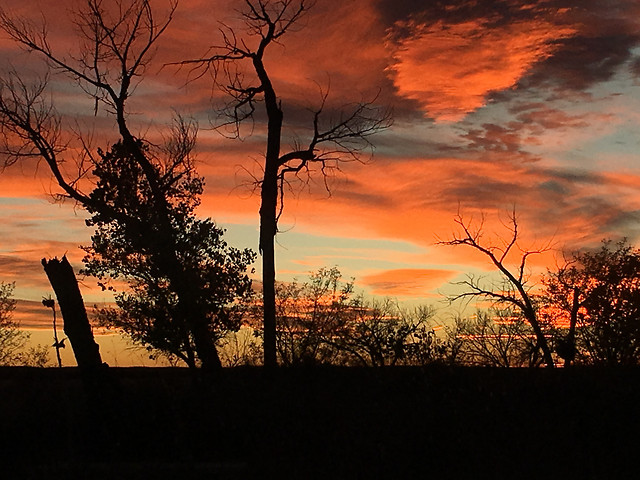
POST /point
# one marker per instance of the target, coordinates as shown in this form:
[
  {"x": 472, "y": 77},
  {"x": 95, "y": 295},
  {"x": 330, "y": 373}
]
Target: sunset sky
[{"x": 496, "y": 104}]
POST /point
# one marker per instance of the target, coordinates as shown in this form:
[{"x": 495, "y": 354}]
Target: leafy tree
[
  {"x": 240, "y": 70},
  {"x": 169, "y": 301},
  {"x": 13, "y": 341},
  {"x": 309, "y": 315},
  {"x": 598, "y": 292}
]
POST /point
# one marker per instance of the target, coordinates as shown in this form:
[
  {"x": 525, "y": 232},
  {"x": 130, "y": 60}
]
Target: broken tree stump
[{"x": 74, "y": 314}]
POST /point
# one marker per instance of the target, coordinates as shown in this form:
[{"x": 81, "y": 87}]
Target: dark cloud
[
  {"x": 363, "y": 198},
  {"x": 25, "y": 271},
  {"x": 491, "y": 137},
  {"x": 583, "y": 61},
  {"x": 431, "y": 142},
  {"x": 452, "y": 11}
]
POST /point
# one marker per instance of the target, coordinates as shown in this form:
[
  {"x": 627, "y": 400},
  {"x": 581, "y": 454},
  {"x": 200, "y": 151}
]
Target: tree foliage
[
  {"x": 13, "y": 341},
  {"x": 309, "y": 315},
  {"x": 208, "y": 279},
  {"x": 598, "y": 293}
]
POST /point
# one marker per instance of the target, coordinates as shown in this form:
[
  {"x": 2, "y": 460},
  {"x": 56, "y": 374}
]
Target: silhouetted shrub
[{"x": 13, "y": 341}]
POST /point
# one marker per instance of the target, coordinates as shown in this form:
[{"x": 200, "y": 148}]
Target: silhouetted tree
[
  {"x": 13, "y": 341},
  {"x": 342, "y": 136},
  {"x": 380, "y": 333},
  {"x": 323, "y": 321},
  {"x": 599, "y": 292},
  {"x": 309, "y": 315},
  {"x": 496, "y": 338},
  {"x": 116, "y": 42},
  {"x": 164, "y": 308},
  {"x": 514, "y": 290}
]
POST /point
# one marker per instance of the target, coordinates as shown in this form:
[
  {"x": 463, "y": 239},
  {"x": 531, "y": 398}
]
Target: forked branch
[{"x": 515, "y": 290}]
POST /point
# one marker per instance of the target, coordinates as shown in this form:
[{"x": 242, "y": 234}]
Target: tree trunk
[
  {"x": 570, "y": 346},
  {"x": 542, "y": 340},
  {"x": 193, "y": 318},
  {"x": 267, "y": 249},
  {"x": 268, "y": 213},
  {"x": 205, "y": 347},
  {"x": 74, "y": 314}
]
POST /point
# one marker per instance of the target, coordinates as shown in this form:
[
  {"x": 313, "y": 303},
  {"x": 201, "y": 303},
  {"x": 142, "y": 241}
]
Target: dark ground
[{"x": 320, "y": 423}]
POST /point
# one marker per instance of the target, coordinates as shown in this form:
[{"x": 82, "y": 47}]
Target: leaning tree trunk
[
  {"x": 74, "y": 313},
  {"x": 541, "y": 339}
]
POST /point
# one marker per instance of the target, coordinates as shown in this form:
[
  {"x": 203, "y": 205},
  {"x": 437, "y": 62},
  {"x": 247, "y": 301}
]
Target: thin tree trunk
[
  {"x": 268, "y": 213},
  {"x": 55, "y": 337},
  {"x": 571, "y": 336},
  {"x": 74, "y": 314},
  {"x": 542, "y": 340},
  {"x": 267, "y": 248}
]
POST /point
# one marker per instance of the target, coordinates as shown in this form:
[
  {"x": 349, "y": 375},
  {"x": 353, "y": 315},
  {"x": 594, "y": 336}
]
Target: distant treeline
[{"x": 589, "y": 310}]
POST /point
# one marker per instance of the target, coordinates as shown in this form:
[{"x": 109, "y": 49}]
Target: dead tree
[
  {"x": 515, "y": 290},
  {"x": 343, "y": 137},
  {"x": 74, "y": 314}
]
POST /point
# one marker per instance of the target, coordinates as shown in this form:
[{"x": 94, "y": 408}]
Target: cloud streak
[{"x": 408, "y": 282}]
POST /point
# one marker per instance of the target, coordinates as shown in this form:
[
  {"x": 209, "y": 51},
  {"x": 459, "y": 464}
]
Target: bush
[{"x": 13, "y": 341}]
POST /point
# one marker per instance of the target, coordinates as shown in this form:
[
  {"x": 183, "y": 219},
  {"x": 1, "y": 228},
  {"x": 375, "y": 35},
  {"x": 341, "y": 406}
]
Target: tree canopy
[
  {"x": 177, "y": 277},
  {"x": 599, "y": 293}
]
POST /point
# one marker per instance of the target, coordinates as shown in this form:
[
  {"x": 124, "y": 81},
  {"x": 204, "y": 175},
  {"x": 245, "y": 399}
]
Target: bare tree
[
  {"x": 342, "y": 137},
  {"x": 497, "y": 338},
  {"x": 116, "y": 43},
  {"x": 515, "y": 288}
]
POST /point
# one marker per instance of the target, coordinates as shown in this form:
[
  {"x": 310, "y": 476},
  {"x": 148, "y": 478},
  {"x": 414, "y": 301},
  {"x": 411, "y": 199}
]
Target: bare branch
[
  {"x": 115, "y": 49},
  {"x": 517, "y": 292},
  {"x": 30, "y": 128}
]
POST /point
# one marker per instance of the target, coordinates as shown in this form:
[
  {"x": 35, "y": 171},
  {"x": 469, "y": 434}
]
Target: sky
[{"x": 532, "y": 106}]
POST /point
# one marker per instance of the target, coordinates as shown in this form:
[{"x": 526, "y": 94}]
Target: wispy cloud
[{"x": 407, "y": 282}]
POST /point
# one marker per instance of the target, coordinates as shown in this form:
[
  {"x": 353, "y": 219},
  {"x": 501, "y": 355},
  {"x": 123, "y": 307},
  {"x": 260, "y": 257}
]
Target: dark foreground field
[{"x": 324, "y": 423}]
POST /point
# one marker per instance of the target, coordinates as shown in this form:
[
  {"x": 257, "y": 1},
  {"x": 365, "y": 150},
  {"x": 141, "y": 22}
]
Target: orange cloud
[
  {"x": 451, "y": 69},
  {"x": 406, "y": 282}
]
